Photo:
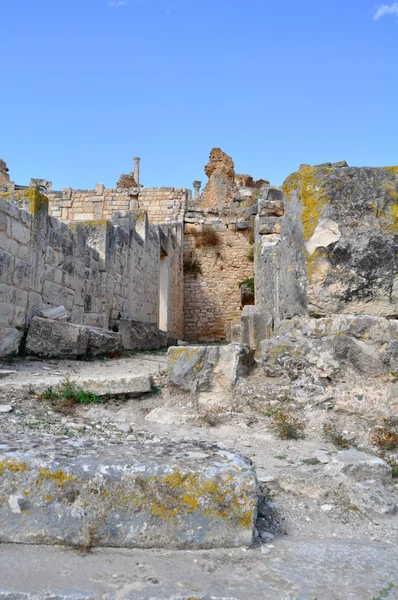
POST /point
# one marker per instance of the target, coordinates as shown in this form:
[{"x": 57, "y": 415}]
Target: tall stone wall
[
  {"x": 163, "y": 205},
  {"x": 101, "y": 272},
  {"x": 218, "y": 249}
]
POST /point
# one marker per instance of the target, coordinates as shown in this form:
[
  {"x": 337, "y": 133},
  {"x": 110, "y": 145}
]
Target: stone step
[
  {"x": 88, "y": 493},
  {"x": 130, "y": 385},
  {"x": 327, "y": 570}
]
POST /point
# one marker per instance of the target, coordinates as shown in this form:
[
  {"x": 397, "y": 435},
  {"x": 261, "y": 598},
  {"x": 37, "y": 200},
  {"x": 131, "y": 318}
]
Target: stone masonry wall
[
  {"x": 214, "y": 266},
  {"x": 163, "y": 205},
  {"x": 100, "y": 272}
]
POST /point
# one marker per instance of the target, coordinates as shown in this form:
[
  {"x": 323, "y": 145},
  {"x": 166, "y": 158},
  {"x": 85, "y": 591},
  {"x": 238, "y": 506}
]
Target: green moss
[{"x": 248, "y": 283}]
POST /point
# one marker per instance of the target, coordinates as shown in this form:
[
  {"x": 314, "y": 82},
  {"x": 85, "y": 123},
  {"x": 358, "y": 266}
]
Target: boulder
[
  {"x": 89, "y": 493},
  {"x": 56, "y": 339},
  {"x": 360, "y": 466},
  {"x": 207, "y": 368}
]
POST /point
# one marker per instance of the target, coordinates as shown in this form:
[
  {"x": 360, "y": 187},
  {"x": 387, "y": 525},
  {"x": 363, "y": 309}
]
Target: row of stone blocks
[{"x": 52, "y": 338}]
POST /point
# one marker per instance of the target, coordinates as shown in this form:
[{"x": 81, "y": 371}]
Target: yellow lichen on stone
[
  {"x": 318, "y": 265},
  {"x": 307, "y": 183},
  {"x": 13, "y": 465},
  {"x": 59, "y": 478},
  {"x": 36, "y": 200}
]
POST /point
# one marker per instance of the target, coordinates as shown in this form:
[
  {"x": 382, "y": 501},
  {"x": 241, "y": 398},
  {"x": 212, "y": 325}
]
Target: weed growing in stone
[
  {"x": 311, "y": 461},
  {"x": 213, "y": 416},
  {"x": 335, "y": 437},
  {"x": 386, "y": 437},
  {"x": 65, "y": 397},
  {"x": 384, "y": 593},
  {"x": 207, "y": 237},
  {"x": 287, "y": 426}
]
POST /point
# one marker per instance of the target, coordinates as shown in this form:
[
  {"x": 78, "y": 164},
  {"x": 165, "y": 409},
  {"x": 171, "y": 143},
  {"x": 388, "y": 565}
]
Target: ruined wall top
[
  {"x": 4, "y": 176},
  {"x": 224, "y": 185}
]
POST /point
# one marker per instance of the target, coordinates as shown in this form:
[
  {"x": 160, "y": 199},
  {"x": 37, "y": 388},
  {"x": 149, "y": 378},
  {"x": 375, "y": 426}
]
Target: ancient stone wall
[
  {"x": 218, "y": 256},
  {"x": 101, "y": 272},
  {"x": 163, "y": 205}
]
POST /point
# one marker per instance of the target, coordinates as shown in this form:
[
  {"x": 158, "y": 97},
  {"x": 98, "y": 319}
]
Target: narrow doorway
[{"x": 163, "y": 291}]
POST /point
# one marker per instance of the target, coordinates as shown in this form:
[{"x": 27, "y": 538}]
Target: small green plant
[
  {"x": 65, "y": 397},
  {"x": 248, "y": 283},
  {"x": 287, "y": 426},
  {"x": 386, "y": 437},
  {"x": 250, "y": 256},
  {"x": 311, "y": 461},
  {"x": 157, "y": 390},
  {"x": 281, "y": 457},
  {"x": 393, "y": 464},
  {"x": 384, "y": 593},
  {"x": 335, "y": 437}
]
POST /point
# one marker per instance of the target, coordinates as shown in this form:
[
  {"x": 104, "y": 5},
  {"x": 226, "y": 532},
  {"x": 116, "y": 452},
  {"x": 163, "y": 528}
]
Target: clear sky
[{"x": 89, "y": 84}]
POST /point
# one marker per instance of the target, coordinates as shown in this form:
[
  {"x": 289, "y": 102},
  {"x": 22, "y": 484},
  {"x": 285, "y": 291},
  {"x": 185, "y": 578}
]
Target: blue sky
[{"x": 88, "y": 84}]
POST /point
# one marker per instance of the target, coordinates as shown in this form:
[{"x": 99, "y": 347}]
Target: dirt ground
[{"x": 302, "y": 507}]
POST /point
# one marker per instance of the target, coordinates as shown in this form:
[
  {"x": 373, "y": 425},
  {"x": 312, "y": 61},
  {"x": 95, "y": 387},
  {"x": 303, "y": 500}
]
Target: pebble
[
  {"x": 124, "y": 427},
  {"x": 5, "y": 408},
  {"x": 265, "y": 550},
  {"x": 327, "y": 507}
]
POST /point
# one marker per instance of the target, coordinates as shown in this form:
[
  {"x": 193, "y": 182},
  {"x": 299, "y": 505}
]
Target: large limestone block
[
  {"x": 360, "y": 466},
  {"x": 338, "y": 250},
  {"x": 256, "y": 326},
  {"x": 136, "y": 495},
  {"x": 206, "y": 368},
  {"x": 56, "y": 339},
  {"x": 103, "y": 341},
  {"x": 144, "y": 336}
]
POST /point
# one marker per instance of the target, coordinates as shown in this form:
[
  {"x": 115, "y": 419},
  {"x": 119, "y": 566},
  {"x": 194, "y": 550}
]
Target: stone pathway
[{"x": 301, "y": 570}]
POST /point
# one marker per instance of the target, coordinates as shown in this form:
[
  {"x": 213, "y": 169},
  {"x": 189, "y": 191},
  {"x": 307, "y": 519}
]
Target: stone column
[
  {"x": 196, "y": 187},
  {"x": 137, "y": 170}
]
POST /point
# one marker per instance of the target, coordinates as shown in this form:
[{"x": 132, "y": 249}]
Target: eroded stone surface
[{"x": 141, "y": 495}]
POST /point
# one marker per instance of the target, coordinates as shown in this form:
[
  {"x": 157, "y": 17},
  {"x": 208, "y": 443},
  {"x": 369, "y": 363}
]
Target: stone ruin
[{"x": 85, "y": 272}]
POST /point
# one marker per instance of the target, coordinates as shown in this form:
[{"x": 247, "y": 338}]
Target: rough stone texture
[
  {"x": 144, "y": 336},
  {"x": 295, "y": 569},
  {"x": 136, "y": 495},
  {"x": 4, "y": 176},
  {"x": 99, "y": 271},
  {"x": 207, "y": 368},
  {"x": 56, "y": 339},
  {"x": 103, "y": 341},
  {"x": 127, "y": 181},
  {"x": 338, "y": 244},
  {"x": 361, "y": 466},
  {"x": 326, "y": 348},
  {"x": 58, "y": 313},
  {"x": 256, "y": 326}
]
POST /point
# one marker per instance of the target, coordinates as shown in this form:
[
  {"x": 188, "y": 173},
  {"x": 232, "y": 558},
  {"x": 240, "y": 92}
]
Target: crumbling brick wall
[{"x": 213, "y": 269}]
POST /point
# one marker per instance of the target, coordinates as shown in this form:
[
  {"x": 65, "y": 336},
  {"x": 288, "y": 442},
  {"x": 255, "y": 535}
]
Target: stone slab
[
  {"x": 327, "y": 570},
  {"x": 136, "y": 495}
]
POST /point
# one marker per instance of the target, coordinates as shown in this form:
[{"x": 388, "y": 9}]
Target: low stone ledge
[{"x": 137, "y": 495}]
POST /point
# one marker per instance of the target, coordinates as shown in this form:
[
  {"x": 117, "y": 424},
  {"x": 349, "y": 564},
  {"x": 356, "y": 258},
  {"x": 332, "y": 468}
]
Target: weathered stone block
[
  {"x": 206, "y": 368},
  {"x": 87, "y": 493},
  {"x": 103, "y": 341},
  {"x": 56, "y": 338},
  {"x": 256, "y": 326},
  {"x": 10, "y": 339},
  {"x": 144, "y": 336}
]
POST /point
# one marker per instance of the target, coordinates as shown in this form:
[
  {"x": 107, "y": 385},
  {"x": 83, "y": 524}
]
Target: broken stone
[
  {"x": 5, "y": 408},
  {"x": 59, "y": 313},
  {"x": 131, "y": 495},
  {"x": 103, "y": 341},
  {"x": 206, "y": 368},
  {"x": 360, "y": 466}
]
